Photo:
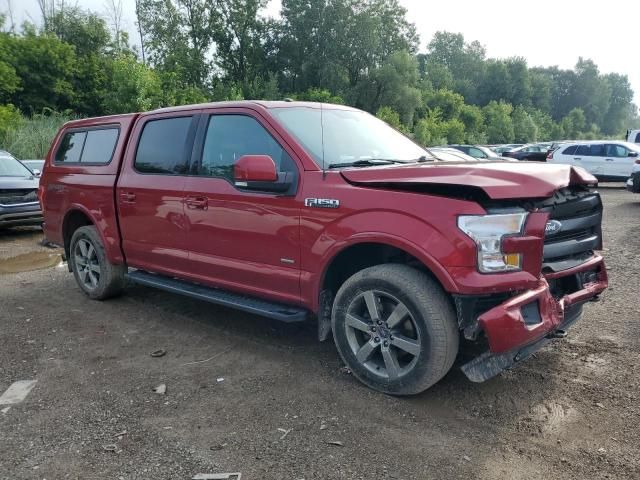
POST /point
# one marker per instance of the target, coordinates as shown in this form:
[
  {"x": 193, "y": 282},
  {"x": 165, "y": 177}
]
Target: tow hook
[{"x": 557, "y": 334}]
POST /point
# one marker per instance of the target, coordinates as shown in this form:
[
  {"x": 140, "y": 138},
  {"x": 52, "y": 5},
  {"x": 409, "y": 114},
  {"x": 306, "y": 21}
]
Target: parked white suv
[
  {"x": 633, "y": 136},
  {"x": 608, "y": 161}
]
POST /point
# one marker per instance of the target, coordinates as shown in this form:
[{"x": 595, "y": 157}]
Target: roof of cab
[
  {"x": 268, "y": 104},
  {"x": 83, "y": 122}
]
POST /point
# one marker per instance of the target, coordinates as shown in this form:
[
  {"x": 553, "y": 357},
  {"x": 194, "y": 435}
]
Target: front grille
[
  {"x": 15, "y": 196},
  {"x": 580, "y": 216}
]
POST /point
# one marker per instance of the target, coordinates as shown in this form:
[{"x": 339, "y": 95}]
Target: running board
[{"x": 276, "y": 311}]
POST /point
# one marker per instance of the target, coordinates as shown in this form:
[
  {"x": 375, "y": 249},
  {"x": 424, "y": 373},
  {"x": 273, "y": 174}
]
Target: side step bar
[{"x": 265, "y": 308}]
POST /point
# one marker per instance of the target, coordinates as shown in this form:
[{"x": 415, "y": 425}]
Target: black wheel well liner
[
  {"x": 73, "y": 220},
  {"x": 357, "y": 257}
]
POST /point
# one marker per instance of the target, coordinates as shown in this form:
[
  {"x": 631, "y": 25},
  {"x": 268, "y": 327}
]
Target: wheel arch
[{"x": 366, "y": 251}]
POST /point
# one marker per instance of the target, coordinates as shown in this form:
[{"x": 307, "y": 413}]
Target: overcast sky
[{"x": 545, "y": 32}]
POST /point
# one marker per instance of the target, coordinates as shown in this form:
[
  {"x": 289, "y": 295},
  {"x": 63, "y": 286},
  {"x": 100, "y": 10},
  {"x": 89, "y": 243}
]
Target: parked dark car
[
  {"x": 476, "y": 151},
  {"x": 19, "y": 203},
  {"x": 531, "y": 153}
]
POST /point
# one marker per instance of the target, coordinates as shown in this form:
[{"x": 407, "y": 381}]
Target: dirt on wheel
[{"x": 245, "y": 394}]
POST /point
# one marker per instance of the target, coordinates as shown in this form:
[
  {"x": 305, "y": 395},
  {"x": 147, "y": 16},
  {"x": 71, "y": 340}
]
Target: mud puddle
[{"x": 28, "y": 262}]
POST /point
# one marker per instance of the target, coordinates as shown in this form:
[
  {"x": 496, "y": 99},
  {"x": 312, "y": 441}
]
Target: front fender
[{"x": 427, "y": 243}]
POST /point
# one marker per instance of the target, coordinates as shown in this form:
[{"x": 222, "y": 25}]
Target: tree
[
  {"x": 394, "y": 85},
  {"x": 133, "y": 87},
  {"x": 449, "y": 103},
  {"x": 473, "y": 119},
  {"x": 574, "y": 123},
  {"x": 498, "y": 121},
  {"x": 525, "y": 129},
  {"x": 47, "y": 68},
  {"x": 237, "y": 32},
  {"x": 620, "y": 111},
  {"x": 389, "y": 115}
]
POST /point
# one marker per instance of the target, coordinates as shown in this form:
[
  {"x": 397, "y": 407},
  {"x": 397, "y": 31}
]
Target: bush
[
  {"x": 10, "y": 119},
  {"x": 32, "y": 137}
]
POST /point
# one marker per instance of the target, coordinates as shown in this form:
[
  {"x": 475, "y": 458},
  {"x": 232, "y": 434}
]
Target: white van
[
  {"x": 633, "y": 136},
  {"x": 608, "y": 160}
]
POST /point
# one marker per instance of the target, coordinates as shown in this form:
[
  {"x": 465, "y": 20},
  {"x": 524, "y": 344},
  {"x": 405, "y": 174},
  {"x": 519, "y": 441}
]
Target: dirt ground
[{"x": 250, "y": 395}]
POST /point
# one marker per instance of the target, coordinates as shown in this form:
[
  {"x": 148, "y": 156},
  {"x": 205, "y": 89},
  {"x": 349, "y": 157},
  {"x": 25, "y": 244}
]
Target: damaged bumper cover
[{"x": 523, "y": 324}]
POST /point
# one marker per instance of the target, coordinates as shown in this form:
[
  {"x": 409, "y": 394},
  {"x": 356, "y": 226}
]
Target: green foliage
[
  {"x": 10, "y": 119},
  {"x": 31, "y": 137},
  {"x": 498, "y": 121},
  {"x": 320, "y": 95},
  {"x": 133, "y": 87},
  {"x": 356, "y": 52},
  {"x": 525, "y": 129},
  {"x": 389, "y": 115}
]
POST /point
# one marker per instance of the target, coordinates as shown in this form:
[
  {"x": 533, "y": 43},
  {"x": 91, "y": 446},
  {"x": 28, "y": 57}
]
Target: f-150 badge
[{"x": 321, "y": 203}]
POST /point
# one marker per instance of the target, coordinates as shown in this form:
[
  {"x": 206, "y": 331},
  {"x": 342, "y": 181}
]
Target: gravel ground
[{"x": 250, "y": 395}]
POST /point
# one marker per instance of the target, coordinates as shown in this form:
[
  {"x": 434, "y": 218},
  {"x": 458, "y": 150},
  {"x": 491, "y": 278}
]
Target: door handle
[
  {"x": 608, "y": 159},
  {"x": 577, "y": 158},
  {"x": 128, "y": 197},
  {"x": 197, "y": 203}
]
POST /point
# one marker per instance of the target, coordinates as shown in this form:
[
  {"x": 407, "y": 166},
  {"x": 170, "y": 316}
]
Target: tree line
[{"x": 363, "y": 53}]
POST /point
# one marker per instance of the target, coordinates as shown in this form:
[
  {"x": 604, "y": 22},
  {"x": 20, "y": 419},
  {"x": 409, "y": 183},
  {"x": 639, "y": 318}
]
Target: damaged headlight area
[{"x": 488, "y": 231}]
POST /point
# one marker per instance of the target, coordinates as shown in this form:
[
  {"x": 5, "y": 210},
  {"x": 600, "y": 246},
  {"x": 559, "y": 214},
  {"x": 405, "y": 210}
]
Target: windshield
[
  {"x": 349, "y": 136},
  {"x": 10, "y": 167}
]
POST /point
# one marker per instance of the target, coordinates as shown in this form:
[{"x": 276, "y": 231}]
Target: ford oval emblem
[{"x": 552, "y": 227}]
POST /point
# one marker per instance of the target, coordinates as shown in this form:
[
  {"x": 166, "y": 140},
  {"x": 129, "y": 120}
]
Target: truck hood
[
  {"x": 498, "y": 180},
  {"x": 18, "y": 183}
]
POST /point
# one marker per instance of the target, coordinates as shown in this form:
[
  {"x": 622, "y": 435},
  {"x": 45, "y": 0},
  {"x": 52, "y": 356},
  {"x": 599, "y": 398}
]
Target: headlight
[{"x": 488, "y": 231}]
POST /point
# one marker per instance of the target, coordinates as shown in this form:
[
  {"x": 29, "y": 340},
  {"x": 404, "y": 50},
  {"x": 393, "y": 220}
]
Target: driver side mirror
[
  {"x": 633, "y": 154},
  {"x": 36, "y": 172},
  {"x": 258, "y": 172}
]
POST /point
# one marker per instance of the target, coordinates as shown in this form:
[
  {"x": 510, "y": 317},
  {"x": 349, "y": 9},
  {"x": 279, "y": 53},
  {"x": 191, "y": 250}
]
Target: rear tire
[
  {"x": 97, "y": 278},
  {"x": 395, "y": 328}
]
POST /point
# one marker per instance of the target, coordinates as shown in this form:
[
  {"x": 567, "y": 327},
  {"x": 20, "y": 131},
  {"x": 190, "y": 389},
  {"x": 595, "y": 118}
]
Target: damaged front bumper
[{"x": 526, "y": 322}]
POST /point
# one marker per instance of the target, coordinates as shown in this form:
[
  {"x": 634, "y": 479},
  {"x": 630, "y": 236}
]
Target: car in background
[
  {"x": 477, "y": 151},
  {"x": 500, "y": 149},
  {"x": 531, "y": 153},
  {"x": 19, "y": 203},
  {"x": 34, "y": 165},
  {"x": 447, "y": 154},
  {"x": 608, "y": 160},
  {"x": 633, "y": 183},
  {"x": 633, "y": 136}
]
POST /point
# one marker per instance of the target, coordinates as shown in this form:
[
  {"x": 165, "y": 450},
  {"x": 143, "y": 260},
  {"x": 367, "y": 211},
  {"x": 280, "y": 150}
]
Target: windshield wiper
[{"x": 365, "y": 163}]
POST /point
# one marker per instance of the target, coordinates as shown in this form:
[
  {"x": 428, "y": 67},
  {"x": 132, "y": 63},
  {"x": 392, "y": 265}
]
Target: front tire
[
  {"x": 98, "y": 278},
  {"x": 395, "y": 328}
]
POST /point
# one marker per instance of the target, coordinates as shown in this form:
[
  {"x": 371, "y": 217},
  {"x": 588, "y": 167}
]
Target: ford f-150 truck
[{"x": 297, "y": 210}]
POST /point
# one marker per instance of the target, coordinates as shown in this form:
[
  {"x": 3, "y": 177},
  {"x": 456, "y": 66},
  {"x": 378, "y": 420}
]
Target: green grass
[{"x": 32, "y": 137}]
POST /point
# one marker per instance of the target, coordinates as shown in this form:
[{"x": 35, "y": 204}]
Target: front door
[
  {"x": 618, "y": 162},
  {"x": 150, "y": 193},
  {"x": 238, "y": 239}
]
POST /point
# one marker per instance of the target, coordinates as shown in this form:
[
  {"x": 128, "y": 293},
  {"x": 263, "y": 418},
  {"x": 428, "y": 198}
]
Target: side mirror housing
[
  {"x": 36, "y": 172},
  {"x": 633, "y": 154},
  {"x": 258, "y": 172}
]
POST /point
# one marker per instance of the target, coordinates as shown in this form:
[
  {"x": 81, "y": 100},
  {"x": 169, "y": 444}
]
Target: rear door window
[
  {"x": 583, "y": 150},
  {"x": 638, "y": 137},
  {"x": 596, "y": 150},
  {"x": 70, "y": 147},
  {"x": 162, "y": 146}
]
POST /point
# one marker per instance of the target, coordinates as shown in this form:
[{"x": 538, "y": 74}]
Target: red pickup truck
[{"x": 297, "y": 210}]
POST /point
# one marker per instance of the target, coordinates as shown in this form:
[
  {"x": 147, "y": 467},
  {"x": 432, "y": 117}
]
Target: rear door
[
  {"x": 594, "y": 161},
  {"x": 150, "y": 192},
  {"x": 617, "y": 160},
  {"x": 239, "y": 239}
]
